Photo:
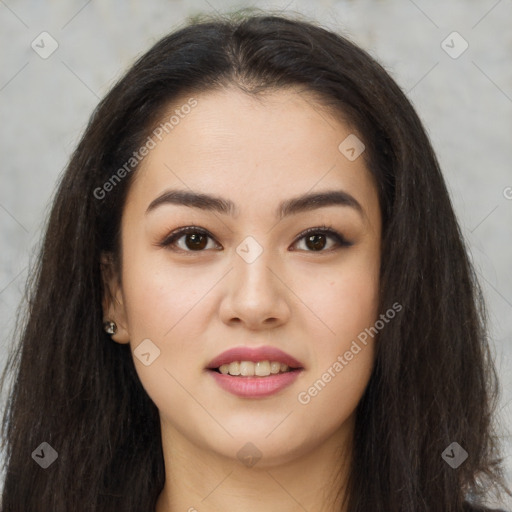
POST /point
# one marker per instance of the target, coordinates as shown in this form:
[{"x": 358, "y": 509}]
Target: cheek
[
  {"x": 346, "y": 300},
  {"x": 345, "y": 349},
  {"x": 349, "y": 301},
  {"x": 165, "y": 305},
  {"x": 342, "y": 360},
  {"x": 160, "y": 298},
  {"x": 342, "y": 354}
]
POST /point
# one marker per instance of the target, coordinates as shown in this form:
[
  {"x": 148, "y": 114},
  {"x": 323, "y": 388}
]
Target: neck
[{"x": 201, "y": 480}]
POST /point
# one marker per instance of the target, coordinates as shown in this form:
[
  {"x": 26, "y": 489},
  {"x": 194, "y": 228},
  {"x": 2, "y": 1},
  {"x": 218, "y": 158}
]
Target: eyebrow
[{"x": 299, "y": 204}]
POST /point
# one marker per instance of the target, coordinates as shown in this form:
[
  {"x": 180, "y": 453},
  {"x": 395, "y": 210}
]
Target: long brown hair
[{"x": 434, "y": 381}]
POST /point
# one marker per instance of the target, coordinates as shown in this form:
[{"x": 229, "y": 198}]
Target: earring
[{"x": 110, "y": 327}]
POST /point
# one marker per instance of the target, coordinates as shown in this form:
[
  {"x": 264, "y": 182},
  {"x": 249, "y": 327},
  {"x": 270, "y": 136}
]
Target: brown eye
[
  {"x": 194, "y": 239},
  {"x": 316, "y": 239},
  {"x": 316, "y": 242}
]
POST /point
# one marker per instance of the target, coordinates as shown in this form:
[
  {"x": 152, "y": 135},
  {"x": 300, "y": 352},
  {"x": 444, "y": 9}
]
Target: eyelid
[
  {"x": 326, "y": 230},
  {"x": 323, "y": 229},
  {"x": 178, "y": 233}
]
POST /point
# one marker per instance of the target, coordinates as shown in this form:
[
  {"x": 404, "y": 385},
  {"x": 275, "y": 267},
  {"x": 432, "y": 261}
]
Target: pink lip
[
  {"x": 255, "y": 387},
  {"x": 265, "y": 353}
]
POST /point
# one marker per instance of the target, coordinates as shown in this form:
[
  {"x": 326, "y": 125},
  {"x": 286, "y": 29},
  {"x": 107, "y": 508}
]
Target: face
[{"x": 250, "y": 277}]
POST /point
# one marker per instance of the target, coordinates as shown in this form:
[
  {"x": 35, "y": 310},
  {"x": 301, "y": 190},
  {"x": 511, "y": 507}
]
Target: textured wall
[{"x": 463, "y": 95}]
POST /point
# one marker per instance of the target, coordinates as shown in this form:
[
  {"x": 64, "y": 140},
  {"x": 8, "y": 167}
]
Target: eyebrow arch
[{"x": 299, "y": 204}]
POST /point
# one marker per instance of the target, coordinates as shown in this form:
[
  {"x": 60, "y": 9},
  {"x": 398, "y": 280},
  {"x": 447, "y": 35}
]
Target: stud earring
[{"x": 110, "y": 327}]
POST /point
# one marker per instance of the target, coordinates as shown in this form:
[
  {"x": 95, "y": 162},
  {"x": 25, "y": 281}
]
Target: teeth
[
  {"x": 249, "y": 369},
  {"x": 233, "y": 368},
  {"x": 275, "y": 367},
  {"x": 246, "y": 368},
  {"x": 262, "y": 368}
]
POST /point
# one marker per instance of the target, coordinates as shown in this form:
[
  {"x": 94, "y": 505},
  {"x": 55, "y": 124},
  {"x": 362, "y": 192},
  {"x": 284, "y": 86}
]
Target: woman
[{"x": 252, "y": 293}]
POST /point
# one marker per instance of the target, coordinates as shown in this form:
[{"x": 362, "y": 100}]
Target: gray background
[{"x": 465, "y": 104}]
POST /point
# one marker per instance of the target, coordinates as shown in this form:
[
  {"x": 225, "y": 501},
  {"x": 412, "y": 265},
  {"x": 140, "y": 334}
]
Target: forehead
[
  {"x": 283, "y": 143},
  {"x": 231, "y": 120}
]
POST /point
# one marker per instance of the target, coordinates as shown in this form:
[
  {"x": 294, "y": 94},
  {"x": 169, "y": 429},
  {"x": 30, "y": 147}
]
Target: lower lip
[{"x": 255, "y": 387}]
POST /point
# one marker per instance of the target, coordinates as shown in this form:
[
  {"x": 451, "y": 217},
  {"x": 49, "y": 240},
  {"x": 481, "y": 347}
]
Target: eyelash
[{"x": 324, "y": 230}]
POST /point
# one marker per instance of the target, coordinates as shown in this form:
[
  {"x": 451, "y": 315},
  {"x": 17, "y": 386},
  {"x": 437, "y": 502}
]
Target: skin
[{"x": 193, "y": 306}]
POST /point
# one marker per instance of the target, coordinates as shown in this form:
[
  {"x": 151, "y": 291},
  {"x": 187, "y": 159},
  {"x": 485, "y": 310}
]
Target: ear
[{"x": 113, "y": 301}]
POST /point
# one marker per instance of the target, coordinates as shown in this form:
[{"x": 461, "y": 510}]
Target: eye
[
  {"x": 195, "y": 239},
  {"x": 315, "y": 238}
]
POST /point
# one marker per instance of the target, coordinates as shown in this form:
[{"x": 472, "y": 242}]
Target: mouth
[
  {"x": 254, "y": 369},
  {"x": 254, "y": 380},
  {"x": 251, "y": 373},
  {"x": 244, "y": 361}
]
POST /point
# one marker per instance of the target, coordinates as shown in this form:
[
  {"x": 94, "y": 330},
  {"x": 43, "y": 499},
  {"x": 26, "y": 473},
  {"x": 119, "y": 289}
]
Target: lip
[
  {"x": 254, "y": 354},
  {"x": 255, "y": 387}
]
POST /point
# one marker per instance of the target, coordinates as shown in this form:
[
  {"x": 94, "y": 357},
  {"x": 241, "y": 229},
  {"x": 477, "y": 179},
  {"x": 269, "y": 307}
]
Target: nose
[{"x": 256, "y": 294}]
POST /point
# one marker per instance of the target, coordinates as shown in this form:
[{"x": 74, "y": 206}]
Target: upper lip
[{"x": 254, "y": 354}]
